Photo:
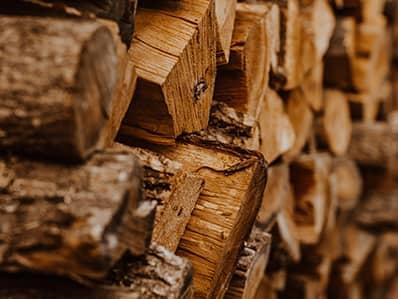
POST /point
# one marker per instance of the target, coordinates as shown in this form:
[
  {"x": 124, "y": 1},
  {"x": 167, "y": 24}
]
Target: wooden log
[
  {"x": 334, "y": 127},
  {"x": 312, "y": 87},
  {"x": 157, "y": 274},
  {"x": 339, "y": 57},
  {"x": 276, "y": 130},
  {"x": 265, "y": 290},
  {"x": 56, "y": 93},
  {"x": 121, "y": 11},
  {"x": 176, "y": 70},
  {"x": 226, "y": 209},
  {"x": 374, "y": 145},
  {"x": 348, "y": 183},
  {"x": 176, "y": 192},
  {"x": 251, "y": 265},
  {"x": 225, "y": 16},
  {"x": 72, "y": 220},
  {"x": 276, "y": 195},
  {"x": 309, "y": 178},
  {"x": 242, "y": 82},
  {"x": 301, "y": 118}
]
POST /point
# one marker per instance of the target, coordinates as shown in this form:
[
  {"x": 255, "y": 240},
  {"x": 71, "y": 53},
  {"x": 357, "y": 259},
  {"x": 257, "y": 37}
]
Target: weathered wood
[
  {"x": 334, "y": 127},
  {"x": 72, "y": 220},
  {"x": 251, "y": 265},
  {"x": 242, "y": 82},
  {"x": 158, "y": 274},
  {"x": 226, "y": 209},
  {"x": 309, "y": 178},
  {"x": 175, "y": 55},
  {"x": 225, "y": 16},
  {"x": 56, "y": 93},
  {"x": 176, "y": 192},
  {"x": 121, "y": 11},
  {"x": 348, "y": 183}
]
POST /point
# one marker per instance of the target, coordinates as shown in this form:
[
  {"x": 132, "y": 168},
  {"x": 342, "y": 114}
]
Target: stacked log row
[{"x": 223, "y": 149}]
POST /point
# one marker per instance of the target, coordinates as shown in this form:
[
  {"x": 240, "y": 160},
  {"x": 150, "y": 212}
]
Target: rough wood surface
[
  {"x": 225, "y": 16},
  {"x": 251, "y": 265},
  {"x": 242, "y": 82},
  {"x": 174, "y": 52},
  {"x": 158, "y": 274},
  {"x": 176, "y": 192},
  {"x": 226, "y": 209},
  {"x": 72, "y": 220},
  {"x": 57, "y": 92},
  {"x": 121, "y": 11}
]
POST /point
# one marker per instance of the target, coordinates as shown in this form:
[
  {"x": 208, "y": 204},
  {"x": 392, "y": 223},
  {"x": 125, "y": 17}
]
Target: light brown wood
[
  {"x": 226, "y": 209},
  {"x": 309, "y": 178},
  {"x": 174, "y": 52},
  {"x": 225, "y": 16},
  {"x": 158, "y": 274},
  {"x": 312, "y": 87},
  {"x": 72, "y": 220},
  {"x": 334, "y": 127},
  {"x": 242, "y": 82},
  {"x": 176, "y": 192},
  {"x": 56, "y": 93},
  {"x": 251, "y": 265},
  {"x": 265, "y": 290},
  {"x": 276, "y": 130},
  {"x": 301, "y": 118}
]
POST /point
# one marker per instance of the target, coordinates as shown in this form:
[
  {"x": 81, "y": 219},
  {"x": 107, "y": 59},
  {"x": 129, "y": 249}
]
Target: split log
[
  {"x": 374, "y": 145},
  {"x": 225, "y": 16},
  {"x": 339, "y": 57},
  {"x": 301, "y": 118},
  {"x": 176, "y": 192},
  {"x": 276, "y": 195},
  {"x": 158, "y": 274},
  {"x": 276, "y": 130},
  {"x": 72, "y": 220},
  {"x": 57, "y": 93},
  {"x": 242, "y": 83},
  {"x": 120, "y": 11},
  {"x": 312, "y": 87},
  {"x": 348, "y": 183},
  {"x": 309, "y": 179},
  {"x": 251, "y": 265},
  {"x": 226, "y": 209},
  {"x": 175, "y": 54},
  {"x": 334, "y": 127}
]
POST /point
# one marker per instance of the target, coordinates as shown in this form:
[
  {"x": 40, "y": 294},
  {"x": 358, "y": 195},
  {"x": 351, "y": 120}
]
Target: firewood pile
[{"x": 198, "y": 149}]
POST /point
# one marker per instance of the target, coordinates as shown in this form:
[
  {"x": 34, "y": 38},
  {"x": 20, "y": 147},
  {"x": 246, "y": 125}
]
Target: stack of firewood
[{"x": 198, "y": 149}]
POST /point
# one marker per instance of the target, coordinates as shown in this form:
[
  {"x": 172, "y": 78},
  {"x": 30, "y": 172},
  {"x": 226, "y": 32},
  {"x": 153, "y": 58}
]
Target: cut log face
[
  {"x": 301, "y": 118},
  {"x": 348, "y": 183},
  {"x": 225, "y": 16},
  {"x": 175, "y": 55},
  {"x": 276, "y": 131},
  {"x": 251, "y": 265},
  {"x": 175, "y": 190},
  {"x": 334, "y": 128},
  {"x": 166, "y": 277},
  {"x": 121, "y": 11},
  {"x": 72, "y": 220},
  {"x": 226, "y": 209},
  {"x": 242, "y": 82},
  {"x": 309, "y": 178},
  {"x": 56, "y": 93}
]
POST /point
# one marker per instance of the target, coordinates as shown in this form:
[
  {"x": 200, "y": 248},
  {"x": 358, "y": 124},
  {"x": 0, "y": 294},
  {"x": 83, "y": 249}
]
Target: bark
[
  {"x": 56, "y": 93},
  {"x": 158, "y": 274},
  {"x": 120, "y": 11},
  {"x": 72, "y": 220}
]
